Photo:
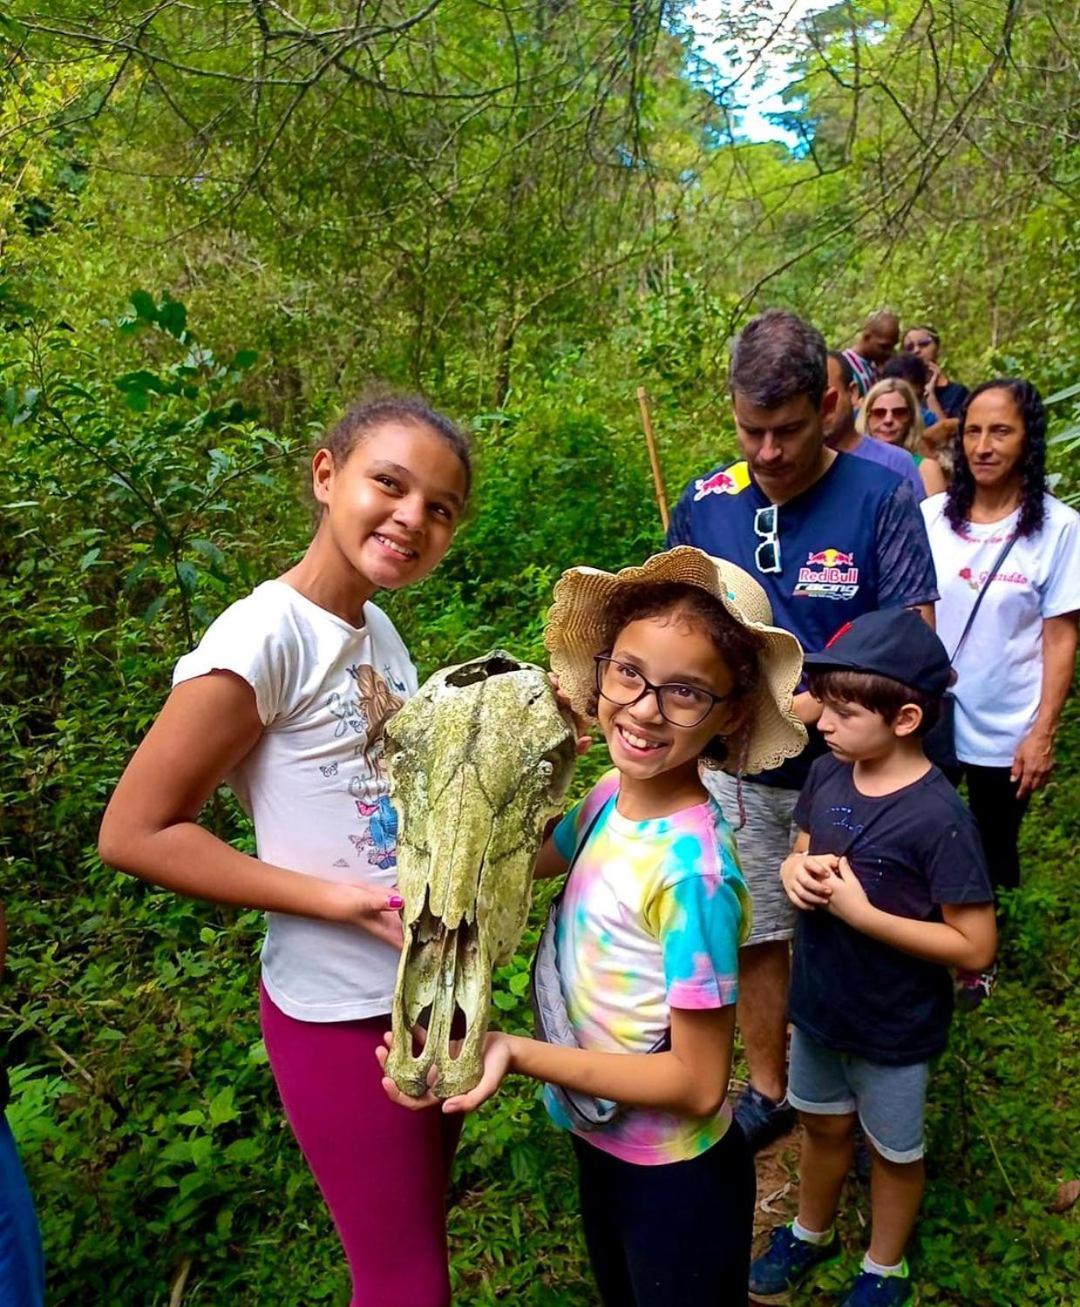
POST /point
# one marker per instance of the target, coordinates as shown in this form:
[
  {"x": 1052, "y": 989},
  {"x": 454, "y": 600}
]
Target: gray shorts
[
  {"x": 763, "y": 844},
  {"x": 890, "y": 1100}
]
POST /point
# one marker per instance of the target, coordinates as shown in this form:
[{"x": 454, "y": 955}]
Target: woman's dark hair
[
  {"x": 909, "y": 368},
  {"x": 961, "y": 490},
  {"x": 878, "y": 694},
  {"x": 736, "y": 644},
  {"x": 375, "y": 410}
]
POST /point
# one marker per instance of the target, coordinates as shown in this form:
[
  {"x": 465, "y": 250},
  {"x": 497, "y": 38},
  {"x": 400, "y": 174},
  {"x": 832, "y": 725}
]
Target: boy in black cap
[{"x": 889, "y": 873}]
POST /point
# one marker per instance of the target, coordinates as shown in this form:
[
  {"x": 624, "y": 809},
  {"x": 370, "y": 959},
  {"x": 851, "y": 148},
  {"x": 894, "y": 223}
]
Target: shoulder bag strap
[
  {"x": 593, "y": 822},
  {"x": 982, "y": 591}
]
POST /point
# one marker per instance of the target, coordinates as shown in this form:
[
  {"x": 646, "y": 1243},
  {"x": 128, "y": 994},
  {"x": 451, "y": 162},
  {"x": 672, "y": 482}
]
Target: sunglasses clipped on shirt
[{"x": 767, "y": 526}]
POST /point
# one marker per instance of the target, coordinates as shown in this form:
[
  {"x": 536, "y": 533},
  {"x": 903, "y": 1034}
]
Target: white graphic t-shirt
[
  {"x": 315, "y": 785},
  {"x": 999, "y": 669}
]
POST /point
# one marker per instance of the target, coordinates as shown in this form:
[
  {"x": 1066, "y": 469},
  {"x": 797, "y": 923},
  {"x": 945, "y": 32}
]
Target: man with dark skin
[
  {"x": 873, "y": 348},
  {"x": 829, "y": 537}
]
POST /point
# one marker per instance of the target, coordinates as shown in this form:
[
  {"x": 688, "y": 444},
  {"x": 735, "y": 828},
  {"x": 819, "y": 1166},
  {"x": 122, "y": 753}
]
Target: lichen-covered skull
[{"x": 479, "y": 759}]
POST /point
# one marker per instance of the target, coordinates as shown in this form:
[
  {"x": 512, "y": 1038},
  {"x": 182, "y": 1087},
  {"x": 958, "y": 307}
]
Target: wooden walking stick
[{"x": 654, "y": 457}]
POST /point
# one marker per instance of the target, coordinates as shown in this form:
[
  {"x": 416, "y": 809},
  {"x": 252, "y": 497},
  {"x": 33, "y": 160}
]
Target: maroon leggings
[{"x": 382, "y": 1169}]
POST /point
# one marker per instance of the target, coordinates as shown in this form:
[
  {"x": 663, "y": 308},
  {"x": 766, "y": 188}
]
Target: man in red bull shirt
[{"x": 830, "y": 536}]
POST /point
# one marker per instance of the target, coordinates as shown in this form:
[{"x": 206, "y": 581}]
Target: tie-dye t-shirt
[{"x": 652, "y": 918}]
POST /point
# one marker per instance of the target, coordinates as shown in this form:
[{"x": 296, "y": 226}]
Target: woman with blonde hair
[{"x": 891, "y": 412}]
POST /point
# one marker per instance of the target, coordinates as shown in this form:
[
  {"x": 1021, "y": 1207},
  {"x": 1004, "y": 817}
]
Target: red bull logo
[
  {"x": 718, "y": 484},
  {"x": 827, "y": 574},
  {"x": 830, "y": 558},
  {"x": 728, "y": 481}
]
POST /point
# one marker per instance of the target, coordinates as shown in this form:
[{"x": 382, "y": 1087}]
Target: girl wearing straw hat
[{"x": 636, "y": 979}]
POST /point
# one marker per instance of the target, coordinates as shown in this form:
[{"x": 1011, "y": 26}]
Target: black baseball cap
[{"x": 894, "y": 642}]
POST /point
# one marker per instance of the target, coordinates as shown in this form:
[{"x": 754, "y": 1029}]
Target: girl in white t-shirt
[
  {"x": 285, "y": 699},
  {"x": 1015, "y": 667}
]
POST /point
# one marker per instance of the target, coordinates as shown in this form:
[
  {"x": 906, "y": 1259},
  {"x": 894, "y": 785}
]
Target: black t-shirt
[
  {"x": 951, "y": 398},
  {"x": 912, "y": 851}
]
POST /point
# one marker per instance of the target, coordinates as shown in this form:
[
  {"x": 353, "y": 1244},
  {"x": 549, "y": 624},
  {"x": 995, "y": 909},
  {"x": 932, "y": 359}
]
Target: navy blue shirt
[
  {"x": 952, "y": 398},
  {"x": 851, "y": 543},
  {"x": 912, "y": 851}
]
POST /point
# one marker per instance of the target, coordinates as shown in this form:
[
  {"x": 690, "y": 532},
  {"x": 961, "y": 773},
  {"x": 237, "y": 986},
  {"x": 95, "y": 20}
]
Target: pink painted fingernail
[{"x": 395, "y": 901}]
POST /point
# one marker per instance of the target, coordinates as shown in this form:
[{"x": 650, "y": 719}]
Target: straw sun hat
[{"x": 578, "y": 629}]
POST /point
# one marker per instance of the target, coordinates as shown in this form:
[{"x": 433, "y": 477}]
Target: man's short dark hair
[
  {"x": 777, "y": 357},
  {"x": 879, "y": 694},
  {"x": 847, "y": 372},
  {"x": 882, "y": 318}
]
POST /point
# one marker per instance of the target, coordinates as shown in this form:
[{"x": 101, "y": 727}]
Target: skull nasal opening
[{"x": 482, "y": 670}]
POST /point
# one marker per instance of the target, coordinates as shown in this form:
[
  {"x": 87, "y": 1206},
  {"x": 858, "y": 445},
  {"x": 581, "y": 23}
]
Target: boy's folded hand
[
  {"x": 806, "y": 879},
  {"x": 847, "y": 898}
]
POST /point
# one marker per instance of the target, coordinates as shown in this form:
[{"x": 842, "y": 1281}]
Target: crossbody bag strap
[
  {"x": 664, "y": 1042},
  {"x": 982, "y": 591},
  {"x": 593, "y": 822}
]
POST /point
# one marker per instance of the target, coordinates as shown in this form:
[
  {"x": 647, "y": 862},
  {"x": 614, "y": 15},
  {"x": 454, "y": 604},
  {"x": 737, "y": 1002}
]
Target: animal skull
[{"x": 478, "y": 759}]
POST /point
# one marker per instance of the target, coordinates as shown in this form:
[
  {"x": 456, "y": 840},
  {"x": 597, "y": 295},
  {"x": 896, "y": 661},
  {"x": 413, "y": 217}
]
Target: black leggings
[
  {"x": 676, "y": 1235},
  {"x": 998, "y": 814}
]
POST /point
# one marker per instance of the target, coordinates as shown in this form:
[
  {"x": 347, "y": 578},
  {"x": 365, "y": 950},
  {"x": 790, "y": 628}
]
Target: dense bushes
[
  {"x": 138, "y": 502},
  {"x": 529, "y": 211}
]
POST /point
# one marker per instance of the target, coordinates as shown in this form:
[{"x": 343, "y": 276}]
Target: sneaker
[
  {"x": 871, "y": 1290},
  {"x": 973, "y": 987},
  {"x": 762, "y": 1119},
  {"x": 786, "y": 1261}
]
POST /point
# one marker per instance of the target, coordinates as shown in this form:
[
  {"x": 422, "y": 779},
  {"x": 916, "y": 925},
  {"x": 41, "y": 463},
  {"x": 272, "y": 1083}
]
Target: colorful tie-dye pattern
[{"x": 652, "y": 918}]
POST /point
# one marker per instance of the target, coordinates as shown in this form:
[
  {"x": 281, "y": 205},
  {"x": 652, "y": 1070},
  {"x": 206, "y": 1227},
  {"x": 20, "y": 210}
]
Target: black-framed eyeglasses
[
  {"x": 912, "y": 345},
  {"x": 679, "y": 704},
  {"x": 767, "y": 526}
]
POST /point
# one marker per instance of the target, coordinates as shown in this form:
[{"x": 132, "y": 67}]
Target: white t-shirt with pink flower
[{"x": 999, "y": 669}]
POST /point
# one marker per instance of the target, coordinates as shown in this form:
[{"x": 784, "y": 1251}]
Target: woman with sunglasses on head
[
  {"x": 998, "y": 531},
  {"x": 944, "y": 398},
  {"x": 891, "y": 413}
]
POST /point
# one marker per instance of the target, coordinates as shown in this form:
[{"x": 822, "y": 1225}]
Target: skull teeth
[{"x": 444, "y": 993}]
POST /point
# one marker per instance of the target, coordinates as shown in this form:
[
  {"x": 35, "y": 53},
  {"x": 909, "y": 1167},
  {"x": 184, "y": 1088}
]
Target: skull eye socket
[{"x": 497, "y": 664}]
